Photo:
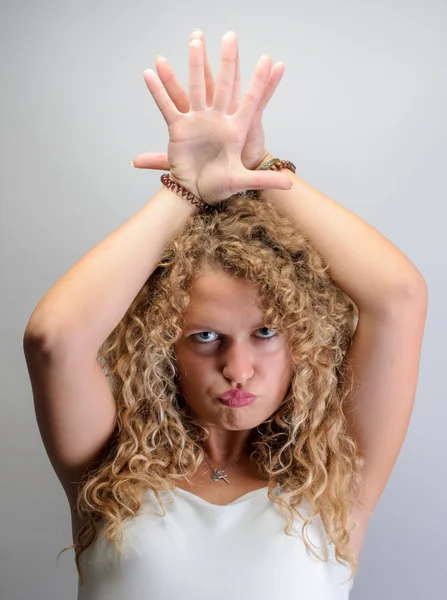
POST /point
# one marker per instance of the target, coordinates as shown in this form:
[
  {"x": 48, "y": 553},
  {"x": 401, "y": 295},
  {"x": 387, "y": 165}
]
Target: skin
[{"x": 232, "y": 350}]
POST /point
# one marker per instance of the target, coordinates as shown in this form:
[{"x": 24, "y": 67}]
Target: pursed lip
[{"x": 234, "y": 394}]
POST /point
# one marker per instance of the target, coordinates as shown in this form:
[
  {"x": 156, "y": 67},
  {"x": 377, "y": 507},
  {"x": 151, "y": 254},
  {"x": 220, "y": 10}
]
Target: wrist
[
  {"x": 179, "y": 190},
  {"x": 266, "y": 156},
  {"x": 277, "y": 164},
  {"x": 183, "y": 205}
]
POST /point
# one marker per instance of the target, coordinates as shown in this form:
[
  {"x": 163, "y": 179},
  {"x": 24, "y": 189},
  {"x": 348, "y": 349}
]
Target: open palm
[{"x": 254, "y": 152}]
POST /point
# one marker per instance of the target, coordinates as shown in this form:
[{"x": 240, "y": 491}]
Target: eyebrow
[{"x": 210, "y": 328}]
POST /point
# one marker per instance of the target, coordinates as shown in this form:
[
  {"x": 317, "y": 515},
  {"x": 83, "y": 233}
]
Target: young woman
[{"x": 223, "y": 393}]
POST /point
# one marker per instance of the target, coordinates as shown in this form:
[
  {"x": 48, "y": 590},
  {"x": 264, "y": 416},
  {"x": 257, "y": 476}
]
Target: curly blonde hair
[{"x": 304, "y": 446}]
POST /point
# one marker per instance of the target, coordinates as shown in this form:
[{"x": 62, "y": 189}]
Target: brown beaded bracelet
[{"x": 274, "y": 164}]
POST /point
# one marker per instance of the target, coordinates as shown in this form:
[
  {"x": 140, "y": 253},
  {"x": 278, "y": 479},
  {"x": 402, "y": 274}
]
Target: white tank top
[{"x": 203, "y": 551}]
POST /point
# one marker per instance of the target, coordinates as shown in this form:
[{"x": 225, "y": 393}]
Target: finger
[
  {"x": 273, "y": 82},
  {"x": 223, "y": 90},
  {"x": 275, "y": 77},
  {"x": 197, "y": 92},
  {"x": 209, "y": 79},
  {"x": 152, "y": 160},
  {"x": 237, "y": 86},
  {"x": 252, "y": 97},
  {"x": 260, "y": 180},
  {"x": 161, "y": 97},
  {"x": 172, "y": 85}
]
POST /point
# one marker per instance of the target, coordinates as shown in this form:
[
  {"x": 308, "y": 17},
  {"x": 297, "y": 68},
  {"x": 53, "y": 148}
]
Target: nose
[{"x": 237, "y": 363}]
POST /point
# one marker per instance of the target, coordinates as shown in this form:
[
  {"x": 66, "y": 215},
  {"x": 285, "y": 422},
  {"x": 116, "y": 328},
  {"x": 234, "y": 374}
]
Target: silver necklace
[{"x": 219, "y": 473}]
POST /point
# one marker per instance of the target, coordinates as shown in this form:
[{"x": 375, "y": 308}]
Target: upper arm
[
  {"x": 384, "y": 357},
  {"x": 75, "y": 408}
]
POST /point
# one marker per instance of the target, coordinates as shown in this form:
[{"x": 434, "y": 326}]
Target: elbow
[
  {"x": 39, "y": 336},
  {"x": 416, "y": 289},
  {"x": 412, "y": 291}
]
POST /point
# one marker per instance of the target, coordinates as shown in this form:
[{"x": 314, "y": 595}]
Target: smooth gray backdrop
[{"x": 361, "y": 112}]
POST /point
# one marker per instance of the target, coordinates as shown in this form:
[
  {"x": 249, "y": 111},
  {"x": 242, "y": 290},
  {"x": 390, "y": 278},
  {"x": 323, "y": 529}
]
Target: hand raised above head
[{"x": 207, "y": 143}]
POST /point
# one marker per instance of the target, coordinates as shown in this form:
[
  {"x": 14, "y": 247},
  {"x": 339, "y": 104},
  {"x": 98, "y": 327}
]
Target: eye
[{"x": 204, "y": 342}]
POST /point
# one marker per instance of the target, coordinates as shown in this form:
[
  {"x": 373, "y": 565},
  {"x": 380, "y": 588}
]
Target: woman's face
[{"x": 224, "y": 344}]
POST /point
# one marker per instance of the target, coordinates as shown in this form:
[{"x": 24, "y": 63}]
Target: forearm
[
  {"x": 89, "y": 301},
  {"x": 363, "y": 263}
]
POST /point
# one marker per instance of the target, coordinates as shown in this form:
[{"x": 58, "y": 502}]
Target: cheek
[{"x": 278, "y": 361}]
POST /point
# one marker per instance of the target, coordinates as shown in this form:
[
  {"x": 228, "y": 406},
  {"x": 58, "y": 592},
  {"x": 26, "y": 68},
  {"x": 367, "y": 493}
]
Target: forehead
[{"x": 214, "y": 293}]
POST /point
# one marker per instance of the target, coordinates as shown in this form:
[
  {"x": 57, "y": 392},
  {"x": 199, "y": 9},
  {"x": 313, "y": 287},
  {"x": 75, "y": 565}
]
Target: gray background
[{"x": 360, "y": 111}]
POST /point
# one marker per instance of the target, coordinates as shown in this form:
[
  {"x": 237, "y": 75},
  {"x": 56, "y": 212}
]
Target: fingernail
[
  {"x": 196, "y": 30},
  {"x": 230, "y": 33},
  {"x": 132, "y": 164}
]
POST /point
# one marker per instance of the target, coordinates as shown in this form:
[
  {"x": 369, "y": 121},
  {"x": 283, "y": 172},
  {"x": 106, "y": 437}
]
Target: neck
[
  {"x": 220, "y": 457},
  {"x": 223, "y": 460}
]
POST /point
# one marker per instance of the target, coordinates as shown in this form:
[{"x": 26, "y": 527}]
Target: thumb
[
  {"x": 265, "y": 180},
  {"x": 152, "y": 160}
]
